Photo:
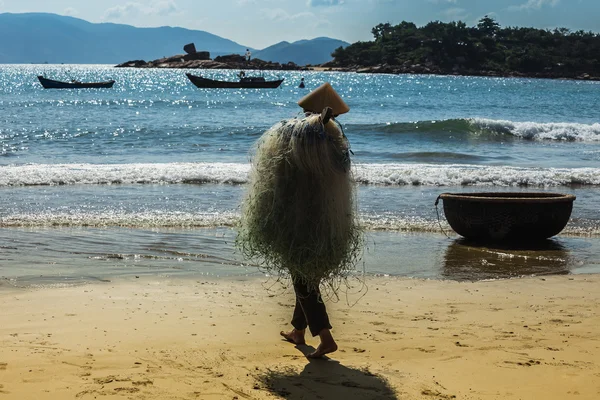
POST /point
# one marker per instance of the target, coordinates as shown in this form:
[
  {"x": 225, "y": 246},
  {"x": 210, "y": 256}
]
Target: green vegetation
[{"x": 486, "y": 49}]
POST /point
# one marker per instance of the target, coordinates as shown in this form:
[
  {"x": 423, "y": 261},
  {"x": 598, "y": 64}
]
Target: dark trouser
[{"x": 310, "y": 310}]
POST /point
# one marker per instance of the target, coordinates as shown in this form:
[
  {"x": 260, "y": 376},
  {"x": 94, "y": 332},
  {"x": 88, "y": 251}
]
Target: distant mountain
[
  {"x": 52, "y": 38},
  {"x": 302, "y": 52},
  {"x": 41, "y": 37}
]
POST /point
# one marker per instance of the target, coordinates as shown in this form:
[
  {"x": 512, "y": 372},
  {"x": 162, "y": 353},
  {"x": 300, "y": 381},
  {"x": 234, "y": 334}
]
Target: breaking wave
[
  {"x": 179, "y": 220},
  {"x": 237, "y": 173},
  {"x": 560, "y": 131}
]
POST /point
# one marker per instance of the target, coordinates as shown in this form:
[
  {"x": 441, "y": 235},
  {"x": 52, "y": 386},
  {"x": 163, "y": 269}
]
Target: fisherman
[
  {"x": 299, "y": 215},
  {"x": 248, "y": 55}
]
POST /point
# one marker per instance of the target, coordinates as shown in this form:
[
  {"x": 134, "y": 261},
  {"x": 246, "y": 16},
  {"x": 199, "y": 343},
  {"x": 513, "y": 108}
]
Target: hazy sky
[{"x": 262, "y": 23}]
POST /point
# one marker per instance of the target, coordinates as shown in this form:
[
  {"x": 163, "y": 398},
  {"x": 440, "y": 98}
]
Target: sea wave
[
  {"x": 13, "y": 139},
  {"x": 180, "y": 220},
  {"x": 559, "y": 131},
  {"x": 237, "y": 173},
  {"x": 157, "y": 219},
  {"x": 474, "y": 175},
  {"x": 108, "y": 174},
  {"x": 565, "y": 131}
]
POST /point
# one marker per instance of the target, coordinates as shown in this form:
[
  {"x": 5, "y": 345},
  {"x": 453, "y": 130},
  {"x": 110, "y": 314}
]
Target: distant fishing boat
[
  {"x": 253, "y": 82},
  {"x": 52, "y": 84}
]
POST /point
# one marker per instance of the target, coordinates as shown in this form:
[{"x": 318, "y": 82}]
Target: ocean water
[{"x": 147, "y": 177}]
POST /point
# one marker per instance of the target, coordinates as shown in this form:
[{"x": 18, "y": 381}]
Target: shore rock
[
  {"x": 189, "y": 48},
  {"x": 201, "y": 60}
]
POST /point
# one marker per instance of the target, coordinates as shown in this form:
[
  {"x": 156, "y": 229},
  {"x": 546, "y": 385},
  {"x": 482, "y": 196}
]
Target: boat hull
[
  {"x": 52, "y": 84},
  {"x": 506, "y": 216},
  {"x": 204, "y": 83}
]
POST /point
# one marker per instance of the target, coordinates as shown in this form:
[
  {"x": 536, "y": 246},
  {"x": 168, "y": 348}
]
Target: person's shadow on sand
[{"x": 326, "y": 379}]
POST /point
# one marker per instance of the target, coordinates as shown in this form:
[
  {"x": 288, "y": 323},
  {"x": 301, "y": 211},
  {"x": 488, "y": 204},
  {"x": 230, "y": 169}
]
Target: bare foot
[
  {"x": 322, "y": 350},
  {"x": 327, "y": 345},
  {"x": 294, "y": 336}
]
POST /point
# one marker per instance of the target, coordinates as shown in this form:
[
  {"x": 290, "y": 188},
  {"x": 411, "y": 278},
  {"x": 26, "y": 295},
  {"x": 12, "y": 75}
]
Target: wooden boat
[
  {"x": 253, "y": 82},
  {"x": 52, "y": 84},
  {"x": 499, "y": 216}
]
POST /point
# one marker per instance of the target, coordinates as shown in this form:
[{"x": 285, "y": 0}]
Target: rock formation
[{"x": 202, "y": 60}]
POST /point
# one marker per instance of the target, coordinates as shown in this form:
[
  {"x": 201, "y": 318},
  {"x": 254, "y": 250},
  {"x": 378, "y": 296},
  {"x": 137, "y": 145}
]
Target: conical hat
[{"x": 321, "y": 97}]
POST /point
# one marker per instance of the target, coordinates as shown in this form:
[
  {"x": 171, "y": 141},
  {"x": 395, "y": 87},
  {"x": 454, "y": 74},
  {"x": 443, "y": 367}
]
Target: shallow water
[
  {"x": 147, "y": 177},
  {"x": 68, "y": 256}
]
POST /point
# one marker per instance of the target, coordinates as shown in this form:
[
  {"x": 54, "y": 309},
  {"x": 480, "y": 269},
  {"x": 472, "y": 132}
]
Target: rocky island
[
  {"x": 438, "y": 48},
  {"x": 486, "y": 49},
  {"x": 201, "y": 60}
]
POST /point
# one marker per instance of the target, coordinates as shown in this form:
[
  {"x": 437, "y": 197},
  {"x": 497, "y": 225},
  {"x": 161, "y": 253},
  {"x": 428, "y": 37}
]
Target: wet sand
[{"x": 156, "y": 338}]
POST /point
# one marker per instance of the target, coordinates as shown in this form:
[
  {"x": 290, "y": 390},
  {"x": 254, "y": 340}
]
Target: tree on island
[
  {"x": 488, "y": 26},
  {"x": 485, "y": 49}
]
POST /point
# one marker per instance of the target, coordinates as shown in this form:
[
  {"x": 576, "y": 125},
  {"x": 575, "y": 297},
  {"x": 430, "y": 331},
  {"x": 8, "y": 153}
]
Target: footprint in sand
[
  {"x": 126, "y": 390},
  {"x": 110, "y": 378},
  {"x": 437, "y": 394},
  {"x": 423, "y": 350},
  {"x": 3, "y": 366},
  {"x": 524, "y": 364},
  {"x": 142, "y": 383},
  {"x": 387, "y": 331}
]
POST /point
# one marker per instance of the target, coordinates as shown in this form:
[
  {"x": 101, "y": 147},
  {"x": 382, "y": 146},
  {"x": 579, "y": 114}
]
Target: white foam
[
  {"x": 232, "y": 173},
  {"x": 70, "y": 174},
  {"x": 156, "y": 219},
  {"x": 473, "y": 175},
  {"x": 162, "y": 219},
  {"x": 567, "y": 131}
]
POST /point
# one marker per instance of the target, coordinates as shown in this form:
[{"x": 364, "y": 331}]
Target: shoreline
[
  {"x": 359, "y": 70},
  {"x": 59, "y": 257},
  {"x": 404, "y": 338},
  {"x": 233, "y": 63}
]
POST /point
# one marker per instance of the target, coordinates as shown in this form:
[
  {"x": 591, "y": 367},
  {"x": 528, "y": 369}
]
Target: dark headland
[{"x": 438, "y": 48}]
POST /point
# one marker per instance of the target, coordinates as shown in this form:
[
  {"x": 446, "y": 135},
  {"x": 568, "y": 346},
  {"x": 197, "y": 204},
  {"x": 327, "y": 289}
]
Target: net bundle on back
[{"x": 299, "y": 213}]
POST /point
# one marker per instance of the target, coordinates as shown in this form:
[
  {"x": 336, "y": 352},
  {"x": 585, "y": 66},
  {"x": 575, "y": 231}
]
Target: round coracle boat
[{"x": 507, "y": 216}]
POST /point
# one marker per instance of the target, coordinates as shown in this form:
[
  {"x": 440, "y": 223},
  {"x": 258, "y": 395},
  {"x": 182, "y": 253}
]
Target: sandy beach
[
  {"x": 156, "y": 338},
  {"x": 529, "y": 338}
]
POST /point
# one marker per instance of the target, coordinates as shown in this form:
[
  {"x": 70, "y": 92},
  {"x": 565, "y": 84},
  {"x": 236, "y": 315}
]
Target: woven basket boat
[{"x": 507, "y": 216}]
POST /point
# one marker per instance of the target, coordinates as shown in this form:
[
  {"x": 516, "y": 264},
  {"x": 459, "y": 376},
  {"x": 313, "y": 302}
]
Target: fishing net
[{"x": 299, "y": 214}]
